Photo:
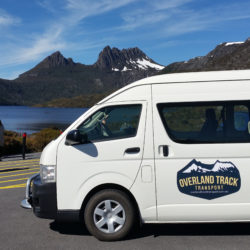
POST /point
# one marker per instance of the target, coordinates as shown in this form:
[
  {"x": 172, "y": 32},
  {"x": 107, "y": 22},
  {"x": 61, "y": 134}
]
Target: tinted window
[
  {"x": 112, "y": 123},
  {"x": 241, "y": 117},
  {"x": 206, "y": 122}
]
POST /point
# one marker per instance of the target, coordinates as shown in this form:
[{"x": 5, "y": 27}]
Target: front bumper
[
  {"x": 26, "y": 202},
  {"x": 42, "y": 198}
]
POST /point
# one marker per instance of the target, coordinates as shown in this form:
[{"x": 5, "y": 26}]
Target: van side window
[
  {"x": 113, "y": 122},
  {"x": 210, "y": 122},
  {"x": 241, "y": 117}
]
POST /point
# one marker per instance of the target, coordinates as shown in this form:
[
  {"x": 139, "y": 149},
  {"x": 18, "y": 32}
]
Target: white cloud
[
  {"x": 81, "y": 9},
  {"x": 41, "y": 45},
  {"x": 54, "y": 37},
  {"x": 93, "y": 7},
  {"x": 176, "y": 17},
  {"x": 140, "y": 19},
  {"x": 47, "y": 43},
  {"x": 151, "y": 13},
  {"x": 47, "y": 5},
  {"x": 170, "y": 4},
  {"x": 76, "y": 10},
  {"x": 7, "y": 19},
  {"x": 143, "y": 20},
  {"x": 188, "y": 21}
]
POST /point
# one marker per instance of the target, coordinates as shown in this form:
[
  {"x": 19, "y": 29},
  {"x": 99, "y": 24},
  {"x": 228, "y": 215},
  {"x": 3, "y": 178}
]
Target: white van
[{"x": 169, "y": 148}]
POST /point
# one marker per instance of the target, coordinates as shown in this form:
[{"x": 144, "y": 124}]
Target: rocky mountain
[
  {"x": 125, "y": 60},
  {"x": 53, "y": 61},
  {"x": 57, "y": 77},
  {"x": 61, "y": 81},
  {"x": 226, "y": 56}
]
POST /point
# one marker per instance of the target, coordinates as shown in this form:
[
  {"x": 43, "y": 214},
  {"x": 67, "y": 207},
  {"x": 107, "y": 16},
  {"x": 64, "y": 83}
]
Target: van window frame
[
  {"x": 113, "y": 106},
  {"x": 225, "y": 103}
]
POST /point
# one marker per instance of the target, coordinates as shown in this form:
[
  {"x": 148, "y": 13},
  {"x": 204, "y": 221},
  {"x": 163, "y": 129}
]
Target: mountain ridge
[
  {"x": 57, "y": 79},
  {"x": 108, "y": 60},
  {"x": 225, "y": 56}
]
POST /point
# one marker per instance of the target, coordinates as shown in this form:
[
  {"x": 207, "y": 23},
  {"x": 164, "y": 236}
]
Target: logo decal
[{"x": 209, "y": 181}]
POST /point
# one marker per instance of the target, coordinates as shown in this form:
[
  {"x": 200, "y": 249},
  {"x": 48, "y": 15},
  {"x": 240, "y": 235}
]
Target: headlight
[{"x": 47, "y": 173}]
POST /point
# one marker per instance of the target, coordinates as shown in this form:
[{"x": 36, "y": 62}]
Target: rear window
[{"x": 210, "y": 122}]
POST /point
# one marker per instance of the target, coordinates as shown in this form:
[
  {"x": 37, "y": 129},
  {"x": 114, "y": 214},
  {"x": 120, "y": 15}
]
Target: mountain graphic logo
[{"x": 209, "y": 181}]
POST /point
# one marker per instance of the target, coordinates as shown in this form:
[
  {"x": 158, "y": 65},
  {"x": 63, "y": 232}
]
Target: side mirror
[{"x": 73, "y": 138}]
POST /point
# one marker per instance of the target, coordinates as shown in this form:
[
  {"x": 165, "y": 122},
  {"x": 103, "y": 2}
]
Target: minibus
[{"x": 171, "y": 148}]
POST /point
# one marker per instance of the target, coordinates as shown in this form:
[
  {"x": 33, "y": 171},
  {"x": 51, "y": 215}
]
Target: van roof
[{"x": 208, "y": 76}]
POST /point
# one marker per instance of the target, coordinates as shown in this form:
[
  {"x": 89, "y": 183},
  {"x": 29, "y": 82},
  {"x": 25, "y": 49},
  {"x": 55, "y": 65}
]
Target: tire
[{"x": 109, "y": 215}]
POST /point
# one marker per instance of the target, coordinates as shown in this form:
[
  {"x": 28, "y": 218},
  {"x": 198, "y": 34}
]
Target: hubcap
[{"x": 109, "y": 216}]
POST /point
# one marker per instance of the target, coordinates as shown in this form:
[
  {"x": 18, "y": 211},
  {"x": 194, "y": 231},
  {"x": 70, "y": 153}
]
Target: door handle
[
  {"x": 132, "y": 150},
  {"x": 165, "y": 150}
]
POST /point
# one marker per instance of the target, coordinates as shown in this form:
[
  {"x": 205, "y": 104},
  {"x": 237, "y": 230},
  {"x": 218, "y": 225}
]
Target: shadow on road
[
  {"x": 69, "y": 228},
  {"x": 212, "y": 229}
]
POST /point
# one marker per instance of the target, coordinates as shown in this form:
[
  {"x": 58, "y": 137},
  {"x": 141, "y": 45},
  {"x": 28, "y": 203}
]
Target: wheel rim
[{"x": 109, "y": 216}]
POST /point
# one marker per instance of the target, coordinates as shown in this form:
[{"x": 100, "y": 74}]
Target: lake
[{"x": 30, "y": 119}]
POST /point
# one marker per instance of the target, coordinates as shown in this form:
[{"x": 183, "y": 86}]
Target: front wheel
[{"x": 109, "y": 215}]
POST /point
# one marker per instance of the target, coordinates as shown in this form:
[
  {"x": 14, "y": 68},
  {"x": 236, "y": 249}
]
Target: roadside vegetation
[{"x": 34, "y": 143}]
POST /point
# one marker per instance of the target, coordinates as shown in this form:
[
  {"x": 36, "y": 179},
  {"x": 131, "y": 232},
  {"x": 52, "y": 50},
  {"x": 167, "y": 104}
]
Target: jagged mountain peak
[
  {"x": 130, "y": 51},
  {"x": 134, "y": 61},
  {"x": 56, "y": 54},
  {"x": 125, "y": 59},
  {"x": 54, "y": 60}
]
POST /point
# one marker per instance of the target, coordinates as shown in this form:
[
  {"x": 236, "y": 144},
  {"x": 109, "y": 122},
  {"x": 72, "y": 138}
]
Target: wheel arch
[{"x": 110, "y": 186}]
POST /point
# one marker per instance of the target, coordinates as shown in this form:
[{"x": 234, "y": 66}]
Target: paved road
[
  {"x": 14, "y": 174},
  {"x": 20, "y": 229},
  {"x": 19, "y": 157}
]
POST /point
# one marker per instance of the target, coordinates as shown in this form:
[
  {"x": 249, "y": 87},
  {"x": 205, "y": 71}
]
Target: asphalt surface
[
  {"x": 20, "y": 229},
  {"x": 20, "y": 157}
]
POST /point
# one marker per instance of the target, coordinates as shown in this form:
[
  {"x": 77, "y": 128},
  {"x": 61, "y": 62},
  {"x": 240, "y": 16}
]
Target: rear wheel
[{"x": 109, "y": 215}]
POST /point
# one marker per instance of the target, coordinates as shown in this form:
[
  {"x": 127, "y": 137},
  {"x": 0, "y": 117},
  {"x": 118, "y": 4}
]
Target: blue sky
[{"x": 166, "y": 30}]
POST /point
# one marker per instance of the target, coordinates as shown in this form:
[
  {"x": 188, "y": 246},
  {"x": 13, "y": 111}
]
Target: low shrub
[
  {"x": 12, "y": 143},
  {"x": 37, "y": 141},
  {"x": 34, "y": 142}
]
